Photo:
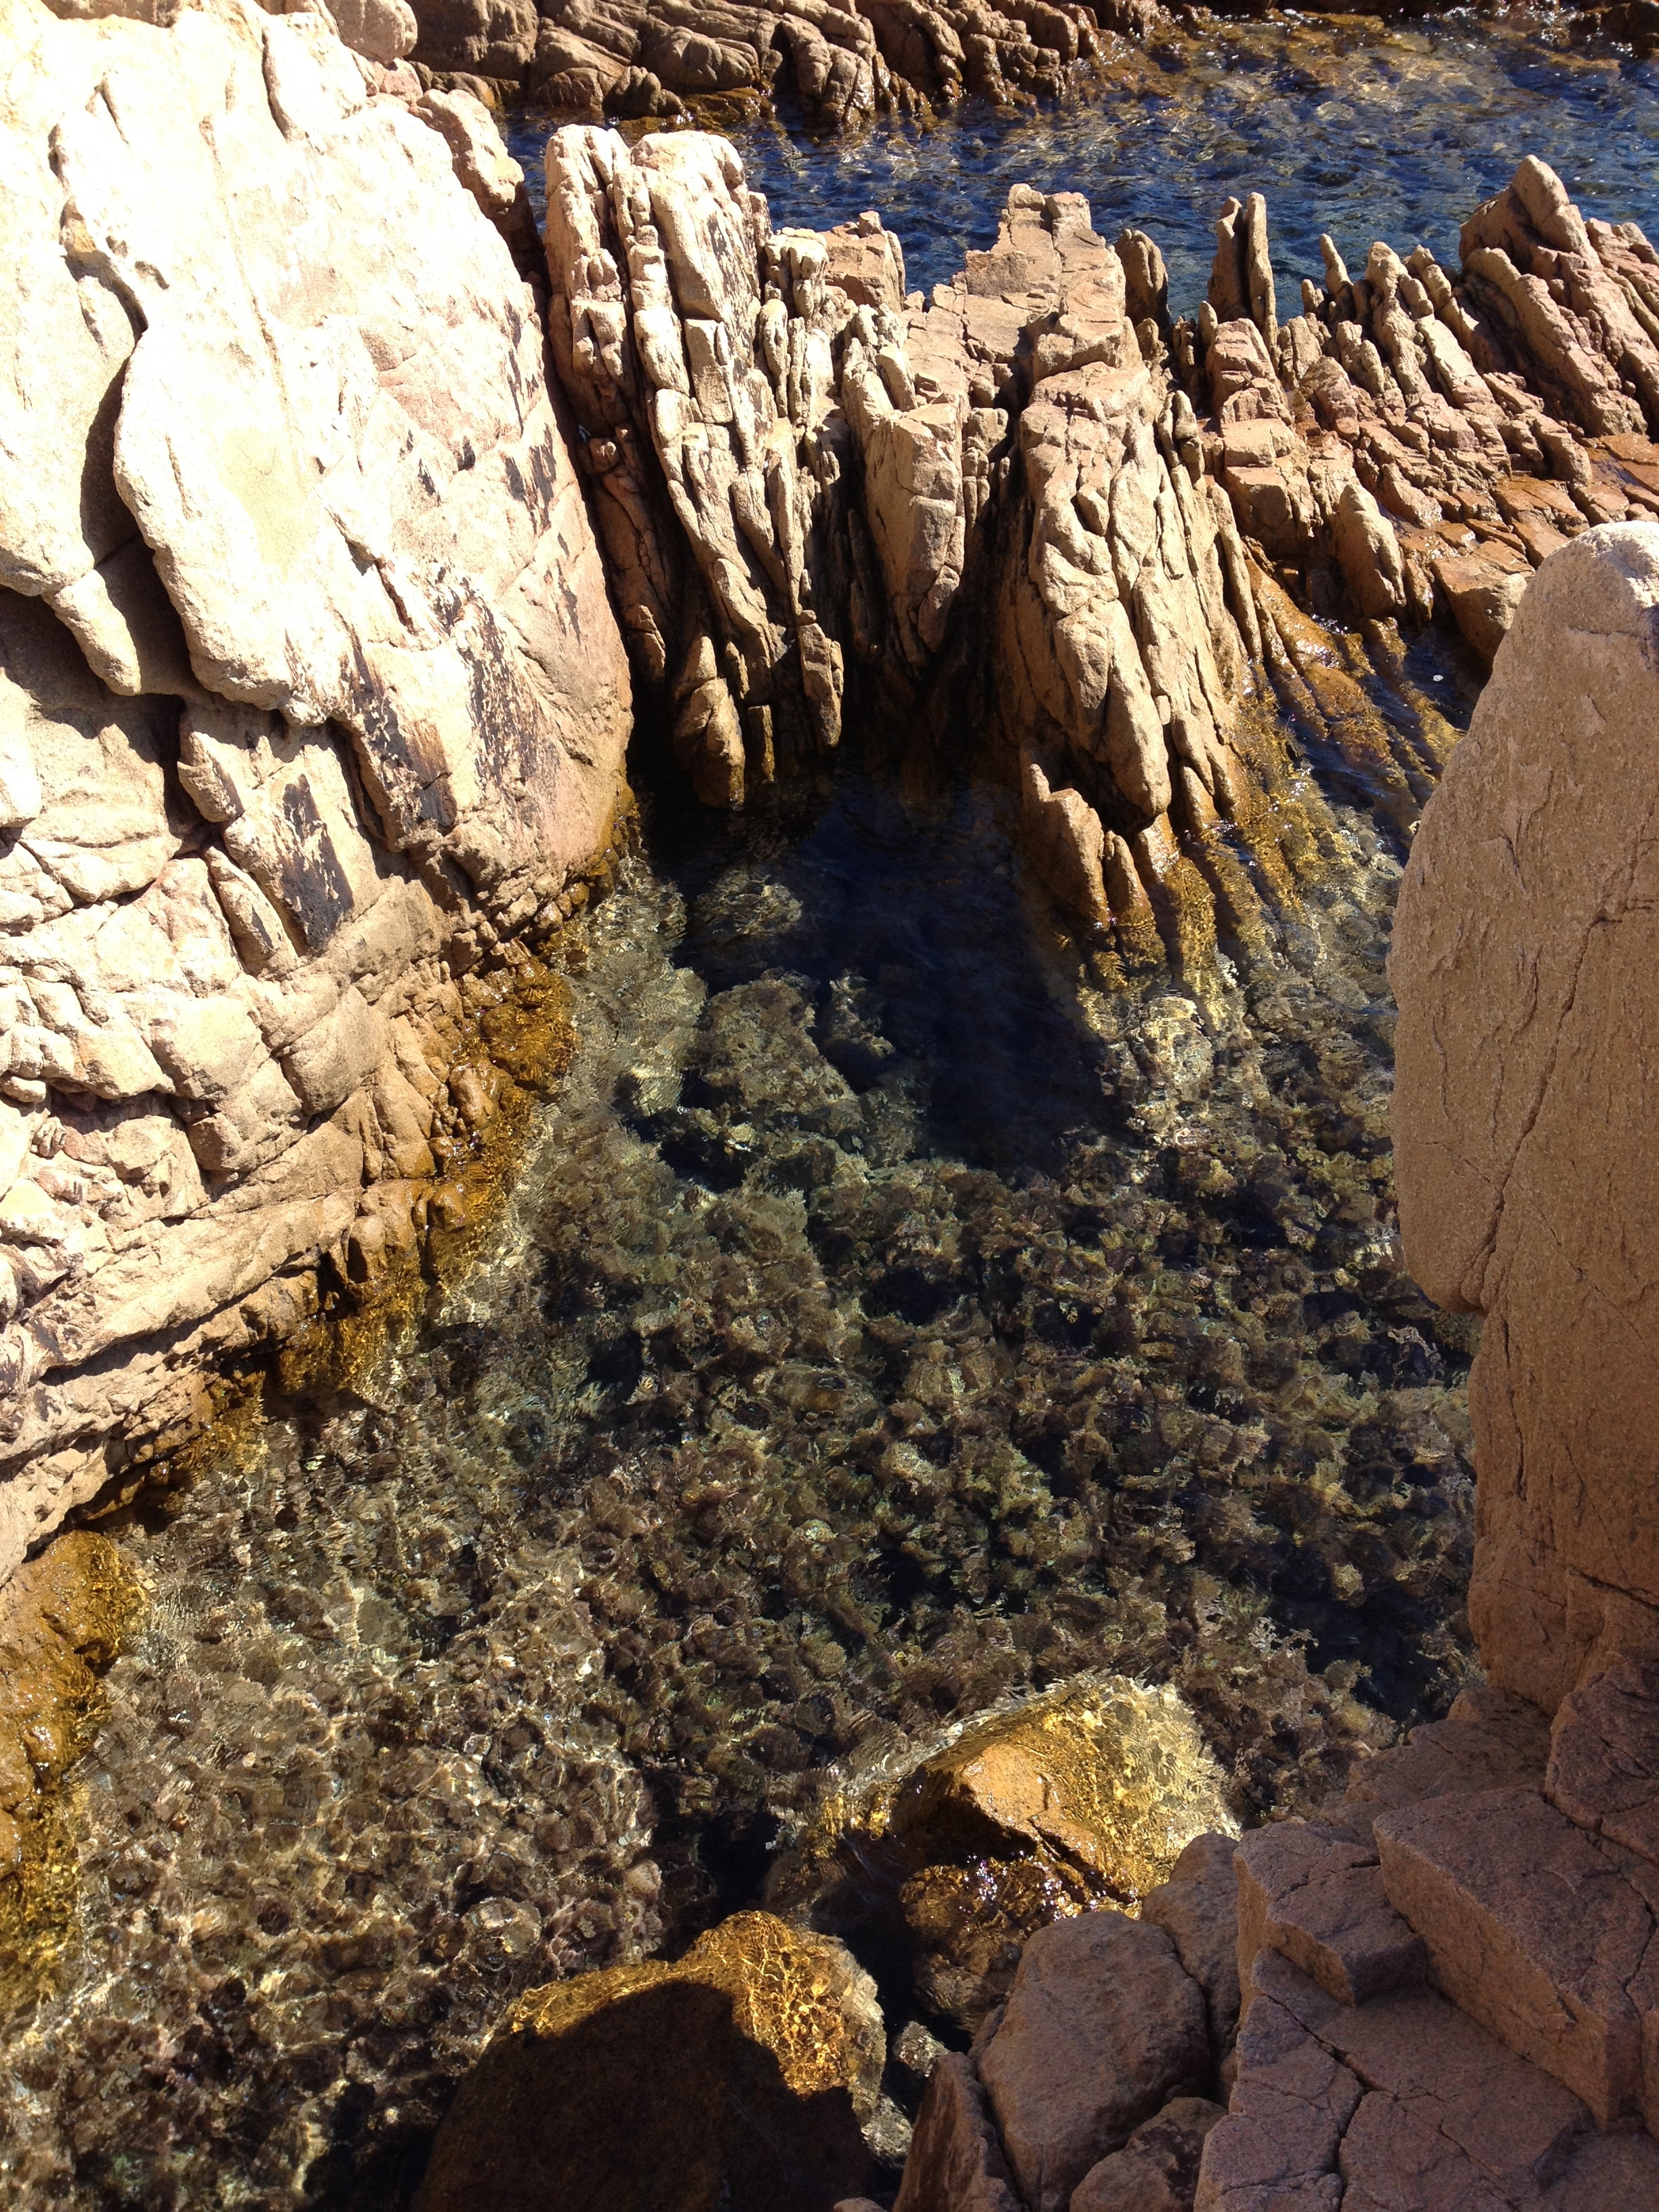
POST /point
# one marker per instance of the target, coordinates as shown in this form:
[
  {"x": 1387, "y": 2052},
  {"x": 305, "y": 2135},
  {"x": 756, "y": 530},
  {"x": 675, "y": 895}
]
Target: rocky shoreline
[{"x": 346, "y": 527}]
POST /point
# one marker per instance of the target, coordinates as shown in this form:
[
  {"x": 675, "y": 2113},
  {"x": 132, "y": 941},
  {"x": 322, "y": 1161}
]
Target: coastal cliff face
[
  {"x": 1523, "y": 962},
  {"x": 311, "y": 697}
]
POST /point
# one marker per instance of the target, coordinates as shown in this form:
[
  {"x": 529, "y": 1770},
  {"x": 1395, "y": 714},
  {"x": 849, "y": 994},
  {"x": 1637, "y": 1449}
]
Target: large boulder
[
  {"x": 311, "y": 697},
  {"x": 1525, "y": 1110},
  {"x": 740, "y": 2076},
  {"x": 1103, "y": 2027}
]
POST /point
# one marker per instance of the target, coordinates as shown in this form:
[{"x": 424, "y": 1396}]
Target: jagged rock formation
[
  {"x": 310, "y": 695},
  {"x": 643, "y": 57},
  {"x": 1428, "y": 439},
  {"x": 1034, "y": 511},
  {"x": 809, "y": 479}
]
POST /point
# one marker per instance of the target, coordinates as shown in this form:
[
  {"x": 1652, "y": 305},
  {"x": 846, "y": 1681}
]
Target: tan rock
[
  {"x": 1604, "y": 1756},
  {"x": 1484, "y": 591},
  {"x": 1317, "y": 1897},
  {"x": 1198, "y": 1910},
  {"x": 355, "y": 502},
  {"x": 1157, "y": 2170},
  {"x": 955, "y": 2162},
  {"x": 743, "y": 2072},
  {"x": 1535, "y": 1929},
  {"x": 1102, "y": 2028},
  {"x": 1291, "y": 2103},
  {"x": 1521, "y": 968},
  {"x": 1439, "y": 2112}
]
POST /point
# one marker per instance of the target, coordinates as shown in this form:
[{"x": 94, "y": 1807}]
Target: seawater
[
  {"x": 1350, "y": 125},
  {"x": 892, "y": 1311}
]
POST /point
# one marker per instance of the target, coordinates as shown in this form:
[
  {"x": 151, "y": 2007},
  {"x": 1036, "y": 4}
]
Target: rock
[
  {"x": 1291, "y": 2103},
  {"x": 1522, "y": 969},
  {"x": 1537, "y": 1930},
  {"x": 1490, "y": 1739},
  {"x": 1103, "y": 2026},
  {"x": 301, "y": 472},
  {"x": 744, "y": 2069},
  {"x": 65, "y": 1616},
  {"x": 1604, "y": 1756},
  {"x": 1198, "y": 1910},
  {"x": 1318, "y": 1897},
  {"x": 1403, "y": 2103},
  {"x": 1157, "y": 2170},
  {"x": 1108, "y": 1779},
  {"x": 1483, "y": 592},
  {"x": 956, "y": 2162}
]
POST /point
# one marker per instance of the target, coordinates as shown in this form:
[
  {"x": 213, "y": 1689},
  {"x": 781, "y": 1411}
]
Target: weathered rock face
[
  {"x": 1031, "y": 509},
  {"x": 989, "y": 512},
  {"x": 1524, "y": 965},
  {"x": 310, "y": 692},
  {"x": 739, "y": 2076},
  {"x": 639, "y": 57}
]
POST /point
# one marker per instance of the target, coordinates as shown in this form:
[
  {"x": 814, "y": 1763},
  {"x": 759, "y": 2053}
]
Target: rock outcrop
[
  {"x": 1033, "y": 509},
  {"x": 1524, "y": 968},
  {"x": 645, "y": 58},
  {"x": 312, "y": 702},
  {"x": 739, "y": 2076}
]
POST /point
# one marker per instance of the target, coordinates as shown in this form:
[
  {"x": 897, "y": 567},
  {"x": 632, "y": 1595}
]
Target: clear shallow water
[
  {"x": 1362, "y": 129},
  {"x": 887, "y": 1316}
]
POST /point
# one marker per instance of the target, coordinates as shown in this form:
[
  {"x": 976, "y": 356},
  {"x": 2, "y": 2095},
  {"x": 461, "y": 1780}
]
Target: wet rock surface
[{"x": 741, "y": 2074}]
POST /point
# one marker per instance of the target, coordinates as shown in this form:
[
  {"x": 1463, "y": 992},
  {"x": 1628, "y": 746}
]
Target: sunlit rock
[{"x": 740, "y": 2075}]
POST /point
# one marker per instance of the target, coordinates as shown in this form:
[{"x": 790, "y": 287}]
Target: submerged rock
[
  {"x": 63, "y": 1617},
  {"x": 1112, "y": 1780},
  {"x": 739, "y": 2076}
]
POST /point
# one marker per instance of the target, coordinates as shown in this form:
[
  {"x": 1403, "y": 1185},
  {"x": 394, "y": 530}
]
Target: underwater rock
[
  {"x": 312, "y": 697},
  {"x": 1086, "y": 1796},
  {"x": 1109, "y": 1781},
  {"x": 63, "y": 1617},
  {"x": 743, "y": 2072}
]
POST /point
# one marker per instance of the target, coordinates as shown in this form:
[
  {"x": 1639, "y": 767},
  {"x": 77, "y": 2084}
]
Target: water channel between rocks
[{"x": 892, "y": 1311}]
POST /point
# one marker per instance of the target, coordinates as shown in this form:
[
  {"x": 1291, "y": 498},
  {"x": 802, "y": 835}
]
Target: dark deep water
[{"x": 889, "y": 1313}]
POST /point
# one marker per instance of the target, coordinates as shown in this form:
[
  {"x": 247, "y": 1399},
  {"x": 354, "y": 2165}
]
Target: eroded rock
[
  {"x": 310, "y": 691},
  {"x": 1102, "y": 2028}
]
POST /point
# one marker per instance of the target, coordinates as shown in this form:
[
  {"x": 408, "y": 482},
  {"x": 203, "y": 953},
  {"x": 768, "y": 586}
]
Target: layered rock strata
[{"x": 311, "y": 698}]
